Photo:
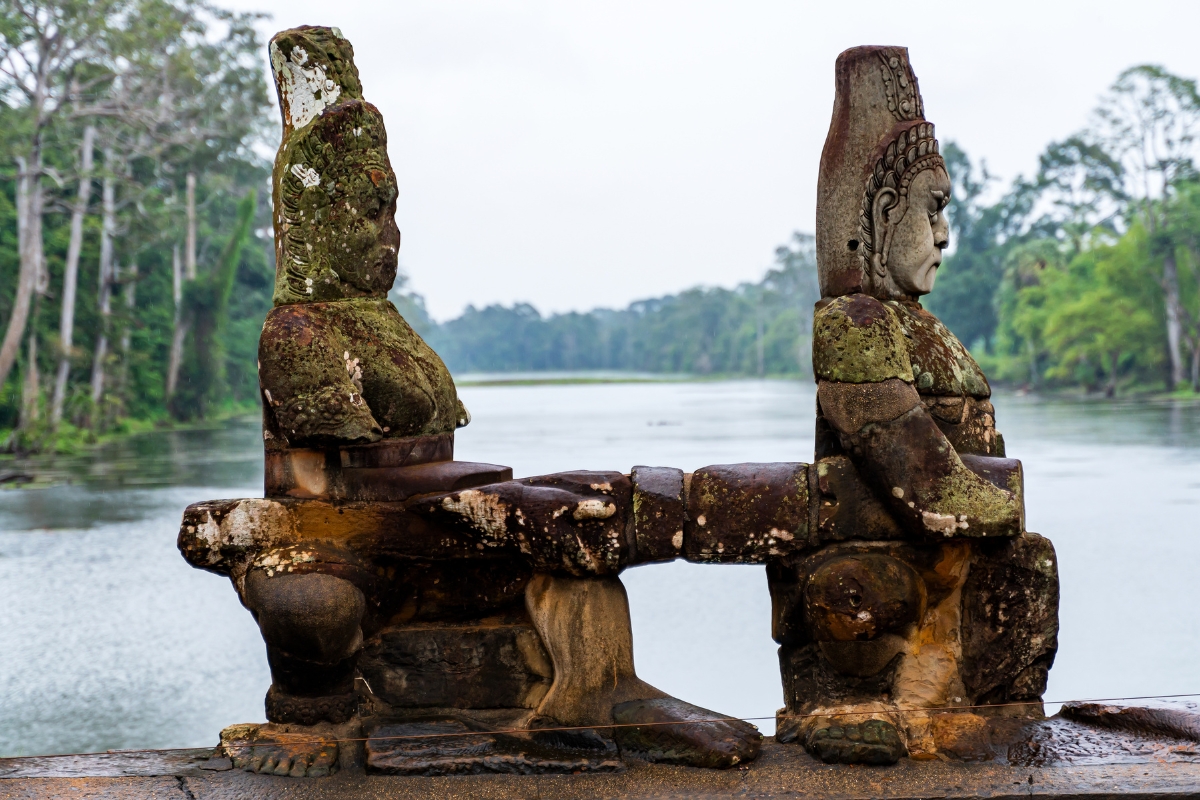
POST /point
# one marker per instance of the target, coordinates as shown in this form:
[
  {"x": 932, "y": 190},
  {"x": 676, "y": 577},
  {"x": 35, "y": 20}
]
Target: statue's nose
[{"x": 941, "y": 233}]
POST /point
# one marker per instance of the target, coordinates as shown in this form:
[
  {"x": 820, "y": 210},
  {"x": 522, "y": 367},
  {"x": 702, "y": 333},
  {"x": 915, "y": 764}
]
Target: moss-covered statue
[
  {"x": 337, "y": 362},
  {"x": 926, "y": 591},
  {"x": 398, "y": 603}
]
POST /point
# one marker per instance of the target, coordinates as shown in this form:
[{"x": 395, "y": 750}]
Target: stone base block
[
  {"x": 450, "y": 747},
  {"x": 498, "y": 662}
]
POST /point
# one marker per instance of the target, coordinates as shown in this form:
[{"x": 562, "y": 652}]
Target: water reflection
[{"x": 109, "y": 640}]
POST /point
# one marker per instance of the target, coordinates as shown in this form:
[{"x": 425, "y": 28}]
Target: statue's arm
[
  {"x": 596, "y": 523},
  {"x": 865, "y": 393}
]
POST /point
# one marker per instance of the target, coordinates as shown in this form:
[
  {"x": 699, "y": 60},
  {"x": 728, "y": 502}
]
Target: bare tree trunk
[
  {"x": 131, "y": 276},
  {"x": 31, "y": 390},
  {"x": 190, "y": 252},
  {"x": 1033, "y": 364},
  {"x": 37, "y": 208},
  {"x": 180, "y": 328},
  {"x": 66, "y": 324},
  {"x": 107, "y": 227},
  {"x": 1194, "y": 324},
  {"x": 1196, "y": 364},
  {"x": 186, "y": 273},
  {"x": 1174, "y": 308},
  {"x": 758, "y": 331},
  {"x": 29, "y": 177}
]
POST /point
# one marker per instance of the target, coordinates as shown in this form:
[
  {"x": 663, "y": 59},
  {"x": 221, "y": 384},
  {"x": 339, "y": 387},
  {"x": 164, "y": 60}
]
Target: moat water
[{"x": 108, "y": 640}]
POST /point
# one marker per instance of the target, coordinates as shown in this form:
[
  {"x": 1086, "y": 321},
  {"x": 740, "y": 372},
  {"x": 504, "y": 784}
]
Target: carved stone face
[
  {"x": 336, "y": 201},
  {"x": 911, "y": 232}
]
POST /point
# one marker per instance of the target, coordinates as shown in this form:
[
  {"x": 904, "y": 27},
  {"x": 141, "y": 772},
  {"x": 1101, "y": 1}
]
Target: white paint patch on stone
[
  {"x": 897, "y": 492},
  {"x": 486, "y": 511},
  {"x": 782, "y": 534},
  {"x": 306, "y": 89},
  {"x": 677, "y": 541},
  {"x": 251, "y": 523},
  {"x": 944, "y": 524},
  {"x": 587, "y": 560},
  {"x": 594, "y": 509},
  {"x": 307, "y": 175}
]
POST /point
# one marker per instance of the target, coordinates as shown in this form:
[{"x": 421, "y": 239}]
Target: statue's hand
[
  {"x": 912, "y": 467},
  {"x": 572, "y": 522}
]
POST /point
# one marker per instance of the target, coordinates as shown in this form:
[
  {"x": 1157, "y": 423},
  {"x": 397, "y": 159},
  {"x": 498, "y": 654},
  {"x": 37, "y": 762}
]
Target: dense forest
[
  {"x": 755, "y": 329},
  {"x": 136, "y": 263},
  {"x": 136, "y": 260}
]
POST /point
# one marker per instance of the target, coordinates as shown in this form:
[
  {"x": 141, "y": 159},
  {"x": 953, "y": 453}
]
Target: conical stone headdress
[
  {"x": 878, "y": 137},
  {"x": 334, "y": 189}
]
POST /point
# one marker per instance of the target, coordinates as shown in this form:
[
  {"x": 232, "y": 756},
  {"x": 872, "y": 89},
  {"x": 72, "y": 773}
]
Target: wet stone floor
[{"x": 1055, "y": 757}]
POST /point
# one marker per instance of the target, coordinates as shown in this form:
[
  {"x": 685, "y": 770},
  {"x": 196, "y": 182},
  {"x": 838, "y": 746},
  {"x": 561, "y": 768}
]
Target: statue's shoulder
[
  {"x": 942, "y": 365},
  {"x": 858, "y": 339}
]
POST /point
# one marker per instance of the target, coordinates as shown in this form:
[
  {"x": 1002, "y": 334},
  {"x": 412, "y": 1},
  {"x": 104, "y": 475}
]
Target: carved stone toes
[
  {"x": 872, "y": 742},
  {"x": 298, "y": 754},
  {"x": 284, "y": 760},
  {"x": 674, "y": 732}
]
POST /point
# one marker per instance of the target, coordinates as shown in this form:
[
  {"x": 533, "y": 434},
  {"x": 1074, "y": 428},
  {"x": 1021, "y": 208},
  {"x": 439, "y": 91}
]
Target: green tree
[
  {"x": 207, "y": 303},
  {"x": 175, "y": 96},
  {"x": 1148, "y": 121}
]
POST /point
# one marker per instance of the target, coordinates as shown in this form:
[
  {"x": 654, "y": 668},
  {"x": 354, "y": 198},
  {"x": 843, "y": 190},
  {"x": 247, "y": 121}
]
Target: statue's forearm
[
  {"x": 595, "y": 523},
  {"x": 913, "y": 468}
]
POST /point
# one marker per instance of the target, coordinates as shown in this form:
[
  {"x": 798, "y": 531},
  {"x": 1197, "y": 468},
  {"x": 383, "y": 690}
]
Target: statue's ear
[
  {"x": 886, "y": 211},
  {"x": 882, "y": 214}
]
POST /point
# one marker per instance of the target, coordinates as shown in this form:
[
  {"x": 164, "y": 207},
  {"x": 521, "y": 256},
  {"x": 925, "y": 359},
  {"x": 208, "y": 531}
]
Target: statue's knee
[{"x": 310, "y": 616}]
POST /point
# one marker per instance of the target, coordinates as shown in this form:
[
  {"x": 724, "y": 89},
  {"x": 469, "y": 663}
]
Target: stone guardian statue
[{"x": 924, "y": 590}]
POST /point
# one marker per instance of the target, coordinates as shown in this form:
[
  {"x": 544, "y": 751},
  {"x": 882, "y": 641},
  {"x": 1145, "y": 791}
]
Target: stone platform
[{"x": 1053, "y": 758}]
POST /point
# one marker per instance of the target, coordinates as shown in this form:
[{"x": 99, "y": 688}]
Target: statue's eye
[{"x": 940, "y": 201}]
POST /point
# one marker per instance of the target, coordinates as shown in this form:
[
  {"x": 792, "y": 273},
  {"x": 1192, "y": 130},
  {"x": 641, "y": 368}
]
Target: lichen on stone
[{"x": 858, "y": 339}]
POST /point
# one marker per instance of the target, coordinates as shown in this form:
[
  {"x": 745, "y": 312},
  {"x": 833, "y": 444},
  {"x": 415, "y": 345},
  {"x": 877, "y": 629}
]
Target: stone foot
[
  {"x": 290, "y": 750},
  {"x": 584, "y": 625},
  {"x": 676, "y": 732},
  {"x": 872, "y": 742}
]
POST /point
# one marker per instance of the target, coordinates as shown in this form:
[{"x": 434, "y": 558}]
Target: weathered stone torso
[
  {"x": 900, "y": 339},
  {"x": 951, "y": 384}
]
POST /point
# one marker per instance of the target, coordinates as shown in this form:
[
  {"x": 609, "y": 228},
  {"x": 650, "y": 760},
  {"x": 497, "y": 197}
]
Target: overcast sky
[{"x": 583, "y": 154}]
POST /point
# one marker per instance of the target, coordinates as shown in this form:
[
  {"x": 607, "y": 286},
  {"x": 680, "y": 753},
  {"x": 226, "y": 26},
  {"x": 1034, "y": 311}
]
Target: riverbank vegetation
[
  {"x": 135, "y": 263},
  {"x": 136, "y": 260}
]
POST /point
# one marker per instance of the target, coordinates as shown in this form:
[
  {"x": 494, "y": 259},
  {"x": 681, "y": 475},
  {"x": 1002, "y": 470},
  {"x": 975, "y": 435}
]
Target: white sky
[{"x": 583, "y": 154}]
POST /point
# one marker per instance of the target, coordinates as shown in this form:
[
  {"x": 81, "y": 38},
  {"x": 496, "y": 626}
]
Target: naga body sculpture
[
  {"x": 404, "y": 596},
  {"x": 390, "y": 592}
]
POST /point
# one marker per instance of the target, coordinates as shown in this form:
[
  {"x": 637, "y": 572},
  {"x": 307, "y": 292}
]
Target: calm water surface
[{"x": 109, "y": 640}]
